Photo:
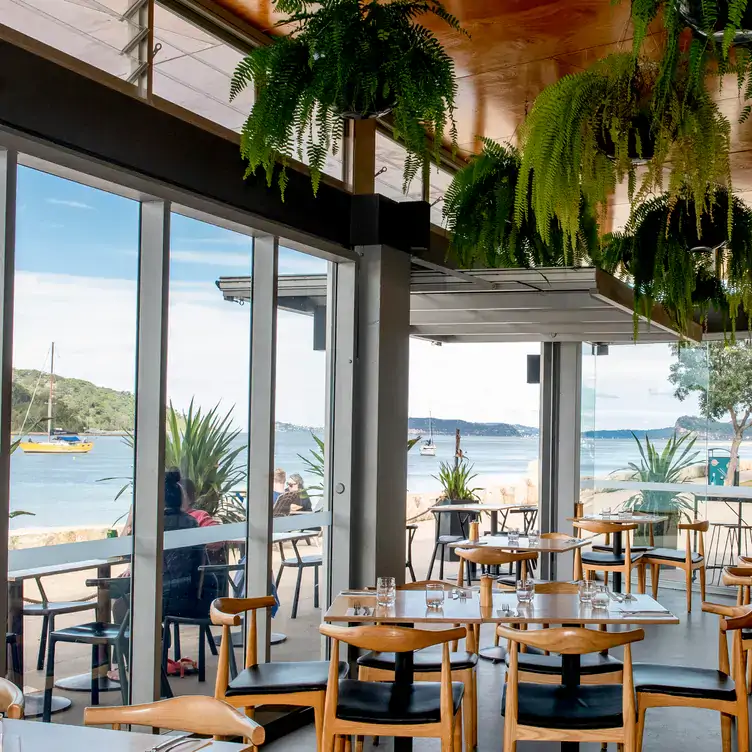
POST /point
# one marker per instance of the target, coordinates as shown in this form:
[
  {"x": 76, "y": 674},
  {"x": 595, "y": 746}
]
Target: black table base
[
  {"x": 33, "y": 704},
  {"x": 82, "y": 683}
]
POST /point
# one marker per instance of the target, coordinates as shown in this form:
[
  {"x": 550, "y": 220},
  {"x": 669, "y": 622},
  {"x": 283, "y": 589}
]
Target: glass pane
[
  {"x": 300, "y": 409},
  {"x": 390, "y": 164},
  {"x": 193, "y": 68},
  {"x": 440, "y": 180},
  {"x": 73, "y": 410},
  {"x": 206, "y": 452},
  {"x": 94, "y": 31},
  {"x": 498, "y": 440},
  {"x": 587, "y": 422}
]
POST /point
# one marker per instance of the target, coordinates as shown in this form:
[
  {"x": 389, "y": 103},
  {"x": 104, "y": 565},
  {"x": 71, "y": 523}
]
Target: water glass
[
  {"x": 606, "y": 512},
  {"x": 514, "y": 537},
  {"x": 600, "y": 597},
  {"x": 525, "y": 590},
  {"x": 386, "y": 591},
  {"x": 624, "y": 514},
  {"x": 533, "y": 537},
  {"x": 434, "y": 595},
  {"x": 587, "y": 589}
]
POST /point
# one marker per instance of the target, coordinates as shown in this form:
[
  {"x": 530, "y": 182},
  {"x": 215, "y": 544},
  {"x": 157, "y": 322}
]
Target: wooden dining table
[
  {"x": 44, "y": 737},
  {"x": 409, "y": 608}
]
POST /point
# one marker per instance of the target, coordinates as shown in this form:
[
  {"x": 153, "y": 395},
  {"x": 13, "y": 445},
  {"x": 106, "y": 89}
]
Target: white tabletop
[{"x": 498, "y": 507}]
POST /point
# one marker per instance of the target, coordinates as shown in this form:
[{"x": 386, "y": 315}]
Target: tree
[{"x": 722, "y": 375}]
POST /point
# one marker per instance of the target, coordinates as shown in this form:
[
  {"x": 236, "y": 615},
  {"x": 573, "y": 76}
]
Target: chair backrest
[
  {"x": 603, "y": 527},
  {"x": 557, "y": 588},
  {"x": 555, "y": 536},
  {"x": 494, "y": 556},
  {"x": 195, "y": 714},
  {"x": 733, "y": 619},
  {"x": 700, "y": 527},
  {"x": 11, "y": 700}
]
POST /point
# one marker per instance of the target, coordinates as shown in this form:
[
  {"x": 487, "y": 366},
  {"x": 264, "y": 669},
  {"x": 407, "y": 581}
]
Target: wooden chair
[
  {"x": 492, "y": 557},
  {"x": 740, "y": 578},
  {"x": 605, "y": 561},
  {"x": 11, "y": 700},
  {"x": 295, "y": 683},
  {"x": 545, "y": 668},
  {"x": 577, "y": 569},
  {"x": 689, "y": 560},
  {"x": 569, "y": 712},
  {"x": 682, "y": 686},
  {"x": 375, "y": 666},
  {"x": 383, "y": 709},
  {"x": 195, "y": 714}
]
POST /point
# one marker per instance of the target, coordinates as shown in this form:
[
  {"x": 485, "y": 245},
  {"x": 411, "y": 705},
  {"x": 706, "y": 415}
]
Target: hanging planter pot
[
  {"x": 640, "y": 142},
  {"x": 691, "y": 13},
  {"x": 347, "y": 59}
]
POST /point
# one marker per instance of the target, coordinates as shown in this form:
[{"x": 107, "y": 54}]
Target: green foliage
[
  {"x": 346, "y": 56},
  {"x": 671, "y": 263},
  {"x": 455, "y": 481},
  {"x": 479, "y": 208},
  {"x": 587, "y": 132},
  {"x": 662, "y": 467},
  {"x": 80, "y": 406},
  {"x": 315, "y": 466}
]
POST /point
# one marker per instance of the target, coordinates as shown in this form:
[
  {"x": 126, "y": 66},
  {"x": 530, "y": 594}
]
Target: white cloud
[
  {"x": 213, "y": 258},
  {"x": 70, "y": 204}
]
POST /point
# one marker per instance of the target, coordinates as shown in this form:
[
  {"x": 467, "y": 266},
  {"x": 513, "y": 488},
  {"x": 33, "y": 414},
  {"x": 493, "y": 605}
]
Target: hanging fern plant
[
  {"x": 479, "y": 209},
  {"x": 591, "y": 130},
  {"x": 670, "y": 262},
  {"x": 347, "y": 59}
]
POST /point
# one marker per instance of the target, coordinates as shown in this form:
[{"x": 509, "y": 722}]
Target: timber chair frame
[
  {"x": 656, "y": 561},
  {"x": 569, "y": 641},
  {"x": 492, "y": 557},
  {"x": 577, "y": 564},
  {"x": 741, "y": 578},
  {"x": 11, "y": 700},
  {"x": 468, "y": 676},
  {"x": 194, "y": 714},
  {"x": 384, "y": 638},
  {"x": 226, "y": 612},
  {"x": 625, "y": 567},
  {"x": 733, "y": 619}
]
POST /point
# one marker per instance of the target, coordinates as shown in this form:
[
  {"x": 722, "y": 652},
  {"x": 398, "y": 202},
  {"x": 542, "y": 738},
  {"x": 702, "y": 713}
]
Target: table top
[
  {"x": 50, "y": 569},
  {"x": 480, "y": 507},
  {"x": 640, "y": 519},
  {"x": 544, "y": 545},
  {"x": 41, "y": 737},
  {"x": 410, "y": 608}
]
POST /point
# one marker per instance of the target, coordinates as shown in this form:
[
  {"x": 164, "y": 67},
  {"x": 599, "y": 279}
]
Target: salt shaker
[{"x": 486, "y": 591}]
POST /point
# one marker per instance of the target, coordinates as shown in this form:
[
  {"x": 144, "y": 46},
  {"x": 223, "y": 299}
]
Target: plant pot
[
  {"x": 691, "y": 13},
  {"x": 640, "y": 124},
  {"x": 381, "y": 106},
  {"x": 449, "y": 524}
]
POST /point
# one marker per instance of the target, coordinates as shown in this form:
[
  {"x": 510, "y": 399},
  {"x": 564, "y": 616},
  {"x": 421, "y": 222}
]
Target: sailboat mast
[
  {"x": 430, "y": 426},
  {"x": 52, "y": 388}
]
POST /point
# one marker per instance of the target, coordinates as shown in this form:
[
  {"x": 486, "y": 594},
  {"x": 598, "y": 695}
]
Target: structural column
[
  {"x": 380, "y": 415},
  {"x": 561, "y": 390}
]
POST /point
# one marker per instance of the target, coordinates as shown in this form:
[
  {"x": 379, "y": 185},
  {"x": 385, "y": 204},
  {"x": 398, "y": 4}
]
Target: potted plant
[
  {"x": 665, "y": 466},
  {"x": 671, "y": 262},
  {"x": 347, "y": 59},
  {"x": 455, "y": 479},
  {"x": 479, "y": 209},
  {"x": 588, "y": 131}
]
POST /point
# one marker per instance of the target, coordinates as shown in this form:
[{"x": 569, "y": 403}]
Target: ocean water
[{"x": 68, "y": 490}]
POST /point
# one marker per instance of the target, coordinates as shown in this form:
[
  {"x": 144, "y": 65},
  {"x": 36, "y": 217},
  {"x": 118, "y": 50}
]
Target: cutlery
[{"x": 171, "y": 743}]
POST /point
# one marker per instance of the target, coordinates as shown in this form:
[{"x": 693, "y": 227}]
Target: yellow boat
[{"x": 56, "y": 447}]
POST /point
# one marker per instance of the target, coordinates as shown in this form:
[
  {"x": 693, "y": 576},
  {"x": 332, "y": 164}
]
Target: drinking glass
[
  {"x": 434, "y": 595},
  {"x": 386, "y": 591},
  {"x": 606, "y": 512},
  {"x": 514, "y": 537},
  {"x": 587, "y": 589},
  {"x": 533, "y": 537},
  {"x": 600, "y": 597},
  {"x": 525, "y": 590},
  {"x": 624, "y": 513}
]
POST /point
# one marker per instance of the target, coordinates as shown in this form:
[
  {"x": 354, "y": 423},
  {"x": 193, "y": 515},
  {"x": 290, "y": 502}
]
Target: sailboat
[
  {"x": 58, "y": 442},
  {"x": 428, "y": 448}
]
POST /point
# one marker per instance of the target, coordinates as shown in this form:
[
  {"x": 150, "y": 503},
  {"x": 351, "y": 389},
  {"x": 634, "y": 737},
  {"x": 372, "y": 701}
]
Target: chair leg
[
  {"x": 703, "y": 573},
  {"x": 95, "y": 674},
  {"x": 641, "y": 578},
  {"x": 433, "y": 559},
  {"x": 278, "y": 578},
  {"x": 640, "y": 726},
  {"x": 655, "y": 574},
  {"x": 49, "y": 681},
  {"x": 748, "y": 662},
  {"x": 359, "y": 739},
  {"x": 210, "y": 641},
  {"x": 441, "y": 562},
  {"x": 315, "y": 587},
  {"x": 318, "y": 718},
  {"x": 43, "y": 642},
  {"x": 296, "y": 597},
  {"x": 726, "y": 732},
  {"x": 339, "y": 744},
  {"x": 467, "y": 709},
  {"x": 15, "y": 658},
  {"x": 348, "y": 743},
  {"x": 202, "y": 653},
  {"x": 177, "y": 653},
  {"x": 233, "y": 662},
  {"x": 123, "y": 677},
  {"x": 688, "y": 573},
  {"x": 165, "y": 645},
  {"x": 457, "y": 739}
]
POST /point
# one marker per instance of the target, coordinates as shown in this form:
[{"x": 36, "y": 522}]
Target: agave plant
[
  {"x": 667, "y": 466},
  {"x": 479, "y": 209},
  {"x": 346, "y": 58},
  {"x": 590, "y": 130},
  {"x": 670, "y": 262},
  {"x": 455, "y": 481}
]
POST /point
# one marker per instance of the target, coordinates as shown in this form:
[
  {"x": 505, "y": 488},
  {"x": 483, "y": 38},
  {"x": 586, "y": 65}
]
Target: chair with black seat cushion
[
  {"x": 293, "y": 683},
  {"x": 442, "y": 541},
  {"x": 312, "y": 561},
  {"x": 690, "y": 559},
  {"x": 661, "y": 686},
  {"x": 411, "y": 529},
  {"x": 608, "y": 561},
  {"x": 569, "y": 711},
  {"x": 101, "y": 636},
  {"x": 367, "y": 708},
  {"x": 375, "y": 666}
]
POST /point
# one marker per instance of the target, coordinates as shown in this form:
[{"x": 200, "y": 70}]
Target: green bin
[{"x": 718, "y": 463}]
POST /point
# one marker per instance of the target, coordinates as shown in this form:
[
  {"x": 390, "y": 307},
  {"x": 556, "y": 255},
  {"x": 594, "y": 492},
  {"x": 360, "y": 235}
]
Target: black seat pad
[
  {"x": 304, "y": 560},
  {"x": 634, "y": 549},
  {"x": 94, "y": 633},
  {"x": 427, "y": 660},
  {"x": 593, "y": 663},
  {"x": 555, "y": 706},
  {"x": 672, "y": 554},
  {"x": 449, "y": 538},
  {"x": 292, "y": 676},
  {"x": 683, "y": 681},
  {"x": 57, "y": 607},
  {"x": 608, "y": 558},
  {"x": 382, "y": 702}
]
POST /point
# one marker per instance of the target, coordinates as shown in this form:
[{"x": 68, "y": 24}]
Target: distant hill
[
  {"x": 468, "y": 428},
  {"x": 80, "y": 406},
  {"x": 712, "y": 429}
]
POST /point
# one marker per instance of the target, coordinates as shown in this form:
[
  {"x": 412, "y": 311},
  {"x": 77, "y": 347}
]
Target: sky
[{"x": 76, "y": 272}]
